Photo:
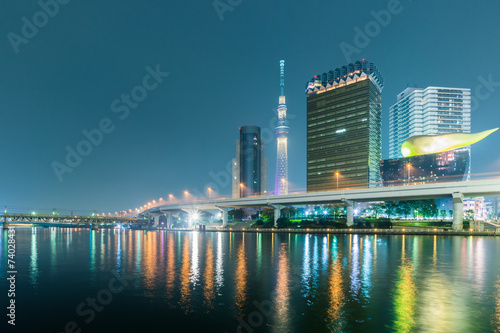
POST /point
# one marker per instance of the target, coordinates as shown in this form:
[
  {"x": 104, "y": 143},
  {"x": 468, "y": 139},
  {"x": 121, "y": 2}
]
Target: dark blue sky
[{"x": 222, "y": 75}]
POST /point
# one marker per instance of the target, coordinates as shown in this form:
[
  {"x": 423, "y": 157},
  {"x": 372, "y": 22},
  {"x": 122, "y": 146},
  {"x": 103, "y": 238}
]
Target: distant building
[
  {"x": 452, "y": 165},
  {"x": 250, "y": 165},
  {"x": 344, "y": 125},
  {"x": 429, "y": 111},
  {"x": 476, "y": 208},
  {"x": 495, "y": 207}
]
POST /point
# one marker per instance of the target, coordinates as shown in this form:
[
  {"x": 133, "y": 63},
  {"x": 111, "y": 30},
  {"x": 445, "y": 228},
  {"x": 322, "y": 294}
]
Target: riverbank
[
  {"x": 394, "y": 231},
  {"x": 373, "y": 231}
]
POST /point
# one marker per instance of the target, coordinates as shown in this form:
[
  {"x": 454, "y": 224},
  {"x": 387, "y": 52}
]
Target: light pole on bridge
[{"x": 408, "y": 166}]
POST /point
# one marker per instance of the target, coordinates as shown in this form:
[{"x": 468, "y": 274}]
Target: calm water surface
[{"x": 235, "y": 282}]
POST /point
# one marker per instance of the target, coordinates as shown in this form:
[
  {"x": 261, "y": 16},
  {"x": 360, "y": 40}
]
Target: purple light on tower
[{"x": 281, "y": 131}]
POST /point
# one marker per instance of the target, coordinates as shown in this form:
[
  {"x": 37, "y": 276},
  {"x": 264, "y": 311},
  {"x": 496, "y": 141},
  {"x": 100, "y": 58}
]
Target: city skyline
[{"x": 49, "y": 98}]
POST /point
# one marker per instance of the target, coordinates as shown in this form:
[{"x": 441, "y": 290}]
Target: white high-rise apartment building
[{"x": 429, "y": 111}]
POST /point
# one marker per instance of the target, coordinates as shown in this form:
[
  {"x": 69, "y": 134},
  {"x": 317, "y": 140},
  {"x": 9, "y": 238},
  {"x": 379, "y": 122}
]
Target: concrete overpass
[
  {"x": 34, "y": 218},
  {"x": 455, "y": 190}
]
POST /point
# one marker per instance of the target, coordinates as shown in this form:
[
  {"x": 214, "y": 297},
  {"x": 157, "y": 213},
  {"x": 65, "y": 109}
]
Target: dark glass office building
[
  {"x": 250, "y": 165},
  {"x": 344, "y": 125},
  {"x": 449, "y": 166}
]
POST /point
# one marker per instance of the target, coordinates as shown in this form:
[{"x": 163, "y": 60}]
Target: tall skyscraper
[
  {"x": 281, "y": 131},
  {"x": 344, "y": 125},
  {"x": 429, "y": 111},
  {"x": 250, "y": 165}
]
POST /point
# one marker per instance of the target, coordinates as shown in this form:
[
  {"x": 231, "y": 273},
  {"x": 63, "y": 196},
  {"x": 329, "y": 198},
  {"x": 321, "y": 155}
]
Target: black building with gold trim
[{"x": 344, "y": 125}]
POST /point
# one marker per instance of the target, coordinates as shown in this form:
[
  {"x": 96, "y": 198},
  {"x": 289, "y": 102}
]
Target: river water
[{"x": 112, "y": 280}]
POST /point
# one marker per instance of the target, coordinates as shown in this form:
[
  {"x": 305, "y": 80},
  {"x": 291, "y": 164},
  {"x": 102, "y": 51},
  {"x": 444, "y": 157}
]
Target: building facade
[
  {"x": 449, "y": 166},
  {"x": 429, "y": 111},
  {"x": 477, "y": 208},
  {"x": 495, "y": 207},
  {"x": 249, "y": 166},
  {"x": 344, "y": 125}
]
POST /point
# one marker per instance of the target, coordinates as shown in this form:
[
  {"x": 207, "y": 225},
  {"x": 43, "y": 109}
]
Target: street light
[
  {"x": 170, "y": 197},
  {"x": 241, "y": 189},
  {"x": 408, "y": 166},
  {"x": 209, "y": 193},
  {"x": 337, "y": 175},
  {"x": 186, "y": 193}
]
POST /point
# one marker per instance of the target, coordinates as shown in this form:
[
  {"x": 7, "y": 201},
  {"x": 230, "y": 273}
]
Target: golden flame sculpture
[{"x": 432, "y": 144}]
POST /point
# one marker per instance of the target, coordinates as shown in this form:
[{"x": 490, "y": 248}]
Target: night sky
[{"x": 69, "y": 76}]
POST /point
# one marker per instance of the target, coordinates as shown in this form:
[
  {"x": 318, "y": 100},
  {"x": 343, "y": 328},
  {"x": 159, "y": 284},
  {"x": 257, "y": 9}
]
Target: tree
[
  {"x": 235, "y": 214},
  {"x": 335, "y": 209},
  {"x": 404, "y": 208},
  {"x": 434, "y": 210},
  {"x": 450, "y": 213},
  {"x": 426, "y": 208},
  {"x": 390, "y": 208},
  {"x": 283, "y": 222},
  {"x": 377, "y": 208},
  {"x": 414, "y": 207},
  {"x": 443, "y": 213},
  {"x": 268, "y": 214},
  {"x": 289, "y": 212}
]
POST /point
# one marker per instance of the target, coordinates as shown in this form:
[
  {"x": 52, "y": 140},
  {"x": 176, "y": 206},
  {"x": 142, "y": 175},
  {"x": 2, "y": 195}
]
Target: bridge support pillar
[
  {"x": 349, "y": 207},
  {"x": 224, "y": 211},
  {"x": 277, "y": 213},
  {"x": 5, "y": 225},
  {"x": 156, "y": 220},
  {"x": 169, "y": 219},
  {"x": 458, "y": 211}
]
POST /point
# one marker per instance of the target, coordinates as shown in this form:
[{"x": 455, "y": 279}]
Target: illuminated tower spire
[{"x": 281, "y": 131}]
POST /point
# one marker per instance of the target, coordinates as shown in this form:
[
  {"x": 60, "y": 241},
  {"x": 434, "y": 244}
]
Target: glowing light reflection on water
[{"x": 320, "y": 283}]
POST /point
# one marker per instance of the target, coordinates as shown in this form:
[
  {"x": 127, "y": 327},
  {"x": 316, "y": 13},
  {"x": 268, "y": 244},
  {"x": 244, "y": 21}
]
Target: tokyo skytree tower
[{"x": 281, "y": 131}]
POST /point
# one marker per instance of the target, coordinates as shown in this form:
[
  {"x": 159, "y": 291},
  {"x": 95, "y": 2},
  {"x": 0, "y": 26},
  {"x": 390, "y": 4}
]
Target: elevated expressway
[
  {"x": 7, "y": 218},
  {"x": 456, "y": 190}
]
